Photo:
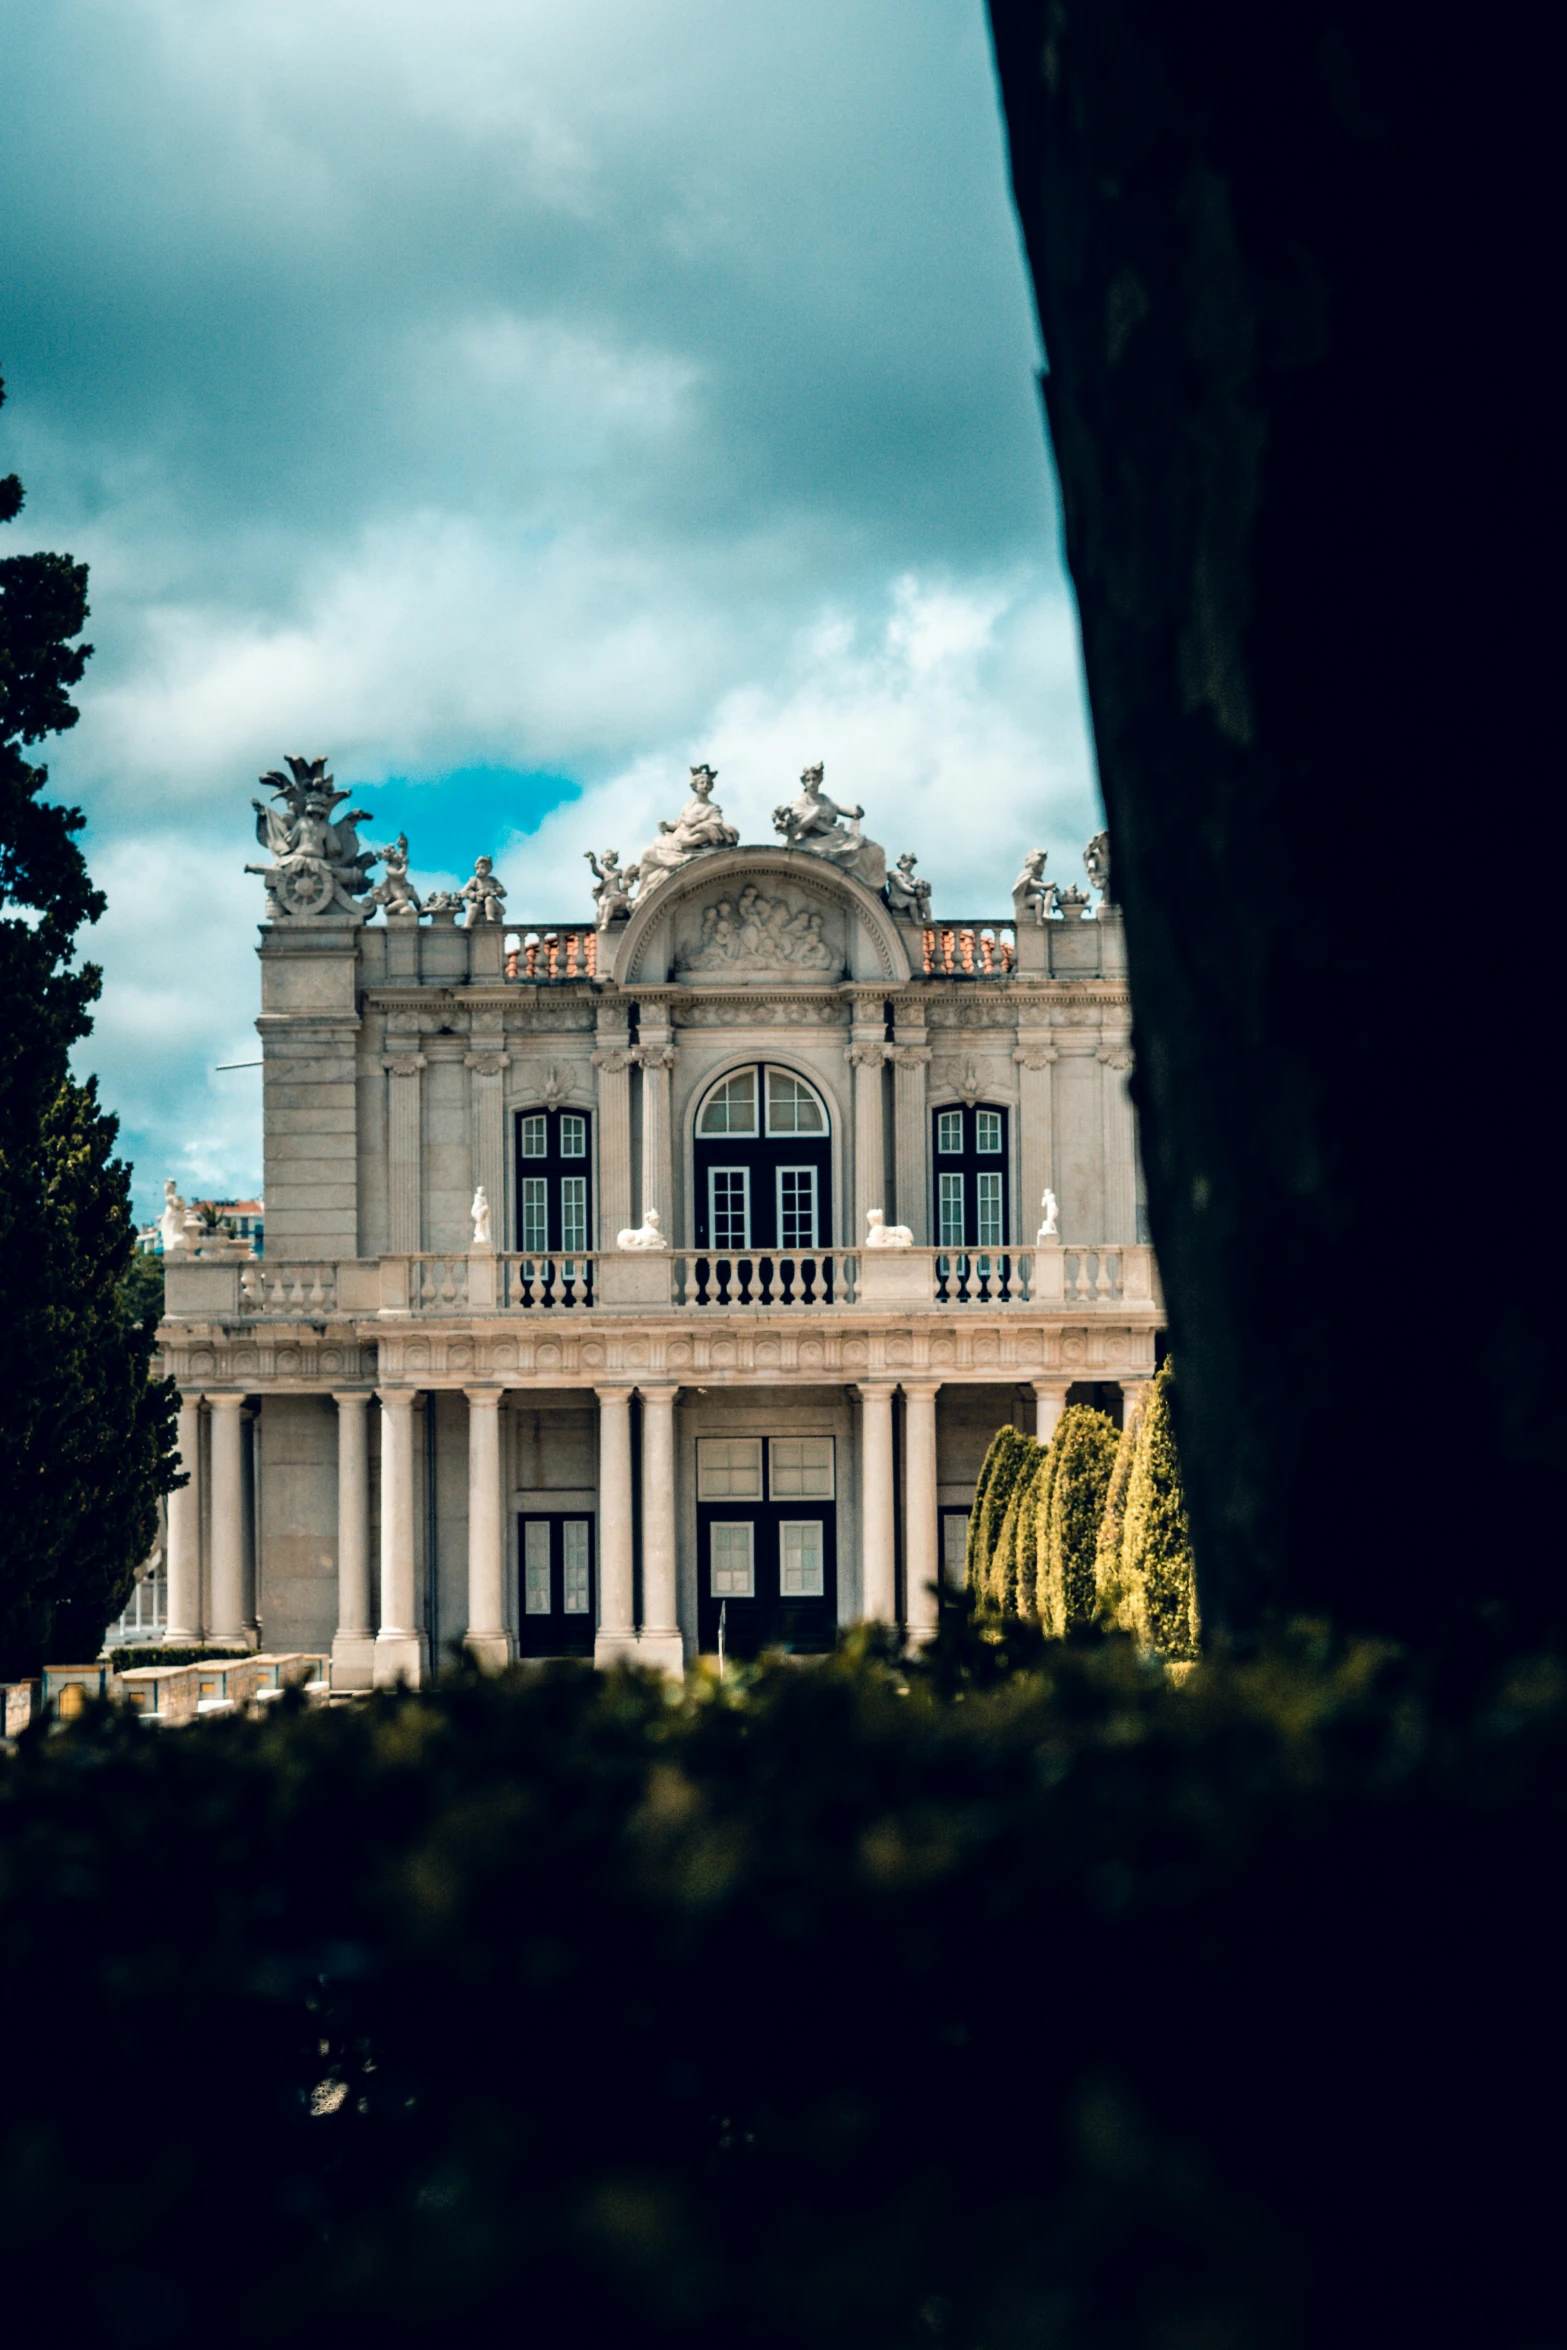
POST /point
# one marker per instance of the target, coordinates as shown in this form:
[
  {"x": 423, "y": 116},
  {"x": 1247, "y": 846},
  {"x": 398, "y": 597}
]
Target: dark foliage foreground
[{"x": 1024, "y": 2000}]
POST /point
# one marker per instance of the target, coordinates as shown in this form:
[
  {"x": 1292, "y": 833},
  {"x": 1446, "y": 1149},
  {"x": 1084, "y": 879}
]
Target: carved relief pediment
[{"x": 750, "y": 933}]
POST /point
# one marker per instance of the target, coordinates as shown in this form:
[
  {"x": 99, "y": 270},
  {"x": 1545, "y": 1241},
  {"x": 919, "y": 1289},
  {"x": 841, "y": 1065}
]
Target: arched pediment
[{"x": 760, "y": 917}]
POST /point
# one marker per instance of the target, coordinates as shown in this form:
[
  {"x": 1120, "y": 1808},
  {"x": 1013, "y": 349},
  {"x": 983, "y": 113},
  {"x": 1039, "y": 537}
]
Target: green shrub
[
  {"x": 1115, "y": 1606},
  {"x": 1003, "y": 1574},
  {"x": 1084, "y": 1449},
  {"x": 1003, "y": 1464},
  {"x": 1157, "y": 1569},
  {"x": 570, "y": 2007},
  {"x": 1027, "y": 1536}
]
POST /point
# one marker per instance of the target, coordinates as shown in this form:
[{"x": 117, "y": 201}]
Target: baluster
[
  {"x": 426, "y": 1279},
  {"x": 1102, "y": 1285},
  {"x": 1083, "y": 1284},
  {"x": 966, "y": 949},
  {"x": 1008, "y": 953},
  {"x": 296, "y": 1295},
  {"x": 928, "y": 949},
  {"x": 317, "y": 1293}
]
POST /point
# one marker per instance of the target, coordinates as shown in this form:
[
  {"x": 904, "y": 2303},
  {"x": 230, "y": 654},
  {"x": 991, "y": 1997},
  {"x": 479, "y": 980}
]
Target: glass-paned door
[
  {"x": 763, "y": 1160},
  {"x": 556, "y": 1612},
  {"x": 971, "y": 1171},
  {"x": 766, "y": 1543},
  {"x": 554, "y": 1202}
]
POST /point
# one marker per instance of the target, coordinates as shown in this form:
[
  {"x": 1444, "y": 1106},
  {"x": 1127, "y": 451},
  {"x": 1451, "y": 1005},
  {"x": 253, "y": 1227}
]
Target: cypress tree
[
  {"x": 1156, "y": 1549},
  {"x": 1029, "y": 1521},
  {"x": 1002, "y": 1464},
  {"x": 1085, "y": 1448},
  {"x": 1114, "y": 1604},
  {"x": 1002, "y": 1579},
  {"x": 86, "y": 1445}
]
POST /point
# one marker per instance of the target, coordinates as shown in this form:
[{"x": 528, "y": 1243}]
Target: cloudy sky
[{"x": 518, "y": 400}]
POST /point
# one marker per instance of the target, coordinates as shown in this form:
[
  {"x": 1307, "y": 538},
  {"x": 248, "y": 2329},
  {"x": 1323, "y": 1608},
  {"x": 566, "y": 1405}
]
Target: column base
[
  {"x": 919, "y": 1636},
  {"x": 491, "y": 1651},
  {"x": 242, "y": 1643},
  {"x": 400, "y": 1656},
  {"x": 614, "y": 1648},
  {"x": 662, "y": 1652},
  {"x": 353, "y": 1660}
]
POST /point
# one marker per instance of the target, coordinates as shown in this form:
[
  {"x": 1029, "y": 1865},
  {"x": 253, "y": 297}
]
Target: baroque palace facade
[{"x": 653, "y": 1281}]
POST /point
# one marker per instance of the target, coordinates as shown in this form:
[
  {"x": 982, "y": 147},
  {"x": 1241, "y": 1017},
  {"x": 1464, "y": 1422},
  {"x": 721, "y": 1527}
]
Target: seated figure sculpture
[
  {"x": 904, "y": 893},
  {"x": 881, "y": 1234},
  {"x": 698, "y": 828},
  {"x": 812, "y": 821}
]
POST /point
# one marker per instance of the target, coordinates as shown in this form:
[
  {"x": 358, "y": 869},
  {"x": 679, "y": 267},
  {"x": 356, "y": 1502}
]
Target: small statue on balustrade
[
  {"x": 1033, "y": 897},
  {"x": 648, "y": 1234},
  {"x": 1050, "y": 1228},
  {"x": 480, "y": 1212},
  {"x": 395, "y": 892},
  {"x": 483, "y": 895},
  {"x": 881, "y": 1234},
  {"x": 612, "y": 887},
  {"x": 904, "y": 894},
  {"x": 1096, "y": 864}
]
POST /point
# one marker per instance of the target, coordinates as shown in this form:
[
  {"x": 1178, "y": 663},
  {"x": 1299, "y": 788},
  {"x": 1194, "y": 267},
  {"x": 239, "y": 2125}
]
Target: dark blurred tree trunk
[{"x": 1295, "y": 293}]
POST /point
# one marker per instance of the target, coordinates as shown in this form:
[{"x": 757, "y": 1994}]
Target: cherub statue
[
  {"x": 396, "y": 892},
  {"x": 480, "y": 1212},
  {"x": 881, "y": 1234},
  {"x": 1049, "y": 1229},
  {"x": 648, "y": 1234},
  {"x": 612, "y": 887},
  {"x": 904, "y": 894},
  {"x": 1096, "y": 864},
  {"x": 698, "y": 827},
  {"x": 483, "y": 895},
  {"x": 1033, "y": 897}
]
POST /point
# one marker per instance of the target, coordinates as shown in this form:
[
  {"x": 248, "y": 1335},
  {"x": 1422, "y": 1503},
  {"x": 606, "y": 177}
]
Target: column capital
[
  {"x": 402, "y": 1064},
  {"x": 659, "y": 1394},
  {"x": 225, "y": 1401},
  {"x": 397, "y": 1398},
  {"x": 874, "y": 1390},
  {"x": 1050, "y": 1386},
  {"x": 614, "y": 1395},
  {"x": 923, "y": 1388},
  {"x": 485, "y": 1397},
  {"x": 487, "y": 1064},
  {"x": 348, "y": 1398}
]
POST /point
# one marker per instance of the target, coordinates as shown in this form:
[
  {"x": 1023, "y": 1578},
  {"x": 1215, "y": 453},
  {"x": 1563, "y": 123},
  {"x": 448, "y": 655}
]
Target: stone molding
[
  {"x": 487, "y": 1064},
  {"x": 1036, "y": 1056},
  {"x": 403, "y": 1064}
]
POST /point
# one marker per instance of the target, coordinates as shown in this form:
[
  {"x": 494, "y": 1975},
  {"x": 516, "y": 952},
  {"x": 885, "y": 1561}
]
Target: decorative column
[
  {"x": 250, "y": 1548},
  {"x": 1120, "y": 1145},
  {"x": 404, "y": 1221},
  {"x": 488, "y": 1639},
  {"x": 911, "y": 1137},
  {"x": 879, "y": 1558},
  {"x": 660, "y": 1643},
  {"x": 487, "y": 1084},
  {"x": 1035, "y": 1057},
  {"x": 613, "y": 1064},
  {"x": 184, "y": 1624},
  {"x": 617, "y": 1634},
  {"x": 228, "y": 1521},
  {"x": 400, "y": 1648},
  {"x": 353, "y": 1643},
  {"x": 870, "y": 1164},
  {"x": 921, "y": 1552},
  {"x": 657, "y": 1056},
  {"x": 1049, "y": 1404}
]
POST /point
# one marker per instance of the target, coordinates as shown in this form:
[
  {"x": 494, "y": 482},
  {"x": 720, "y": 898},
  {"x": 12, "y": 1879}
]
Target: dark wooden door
[
  {"x": 767, "y": 1544},
  {"x": 557, "y": 1611}
]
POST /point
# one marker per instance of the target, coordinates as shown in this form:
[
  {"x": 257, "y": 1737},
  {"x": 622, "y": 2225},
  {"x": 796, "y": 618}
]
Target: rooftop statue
[
  {"x": 698, "y": 828},
  {"x": 812, "y": 821},
  {"x": 1033, "y": 897},
  {"x": 483, "y": 895},
  {"x": 396, "y": 893},
  {"x": 1096, "y": 864},
  {"x": 612, "y": 887},
  {"x": 319, "y": 866},
  {"x": 904, "y": 894}
]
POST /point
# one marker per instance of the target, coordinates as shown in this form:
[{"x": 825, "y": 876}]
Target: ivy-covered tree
[
  {"x": 1084, "y": 1447},
  {"x": 1156, "y": 1549},
  {"x": 86, "y": 1444}
]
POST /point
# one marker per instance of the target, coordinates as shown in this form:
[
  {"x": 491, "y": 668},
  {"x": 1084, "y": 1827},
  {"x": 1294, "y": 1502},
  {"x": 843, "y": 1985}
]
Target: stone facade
[{"x": 753, "y": 1280}]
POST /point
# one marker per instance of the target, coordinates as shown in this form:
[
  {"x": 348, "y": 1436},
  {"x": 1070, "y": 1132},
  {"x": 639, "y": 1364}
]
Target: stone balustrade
[
  {"x": 434, "y": 1283},
  {"x": 976, "y": 949}
]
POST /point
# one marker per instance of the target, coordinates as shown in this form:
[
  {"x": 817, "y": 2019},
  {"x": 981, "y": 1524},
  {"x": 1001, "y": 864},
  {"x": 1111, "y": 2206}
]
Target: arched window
[
  {"x": 763, "y": 1163},
  {"x": 554, "y": 1181},
  {"x": 970, "y": 1164}
]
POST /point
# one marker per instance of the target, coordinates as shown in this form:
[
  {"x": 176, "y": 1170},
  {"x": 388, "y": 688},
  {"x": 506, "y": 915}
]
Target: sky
[{"x": 518, "y": 401}]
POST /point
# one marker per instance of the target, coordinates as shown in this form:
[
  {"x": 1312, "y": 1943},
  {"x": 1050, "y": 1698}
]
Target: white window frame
[
  {"x": 573, "y": 1135},
  {"x": 728, "y": 1247},
  {"x": 533, "y": 1141},
  {"x": 792, "y": 1133},
  {"x": 715, "y": 1477},
  {"x": 990, "y": 1122},
  {"x": 949, "y": 1122},
  {"x": 747, "y": 1527},
  {"x": 574, "y": 1213},
  {"x": 531, "y": 1566},
  {"x": 786, "y": 1527},
  {"x": 949, "y": 1197},
  {"x": 989, "y": 1210},
  {"x": 573, "y": 1568},
  {"x": 533, "y": 1213},
  {"x": 751, "y": 1133},
  {"x": 810, "y": 1174},
  {"x": 775, "y": 1482}
]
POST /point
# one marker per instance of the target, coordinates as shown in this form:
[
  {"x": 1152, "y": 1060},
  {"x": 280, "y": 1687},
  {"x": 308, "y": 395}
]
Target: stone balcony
[{"x": 1072, "y": 1281}]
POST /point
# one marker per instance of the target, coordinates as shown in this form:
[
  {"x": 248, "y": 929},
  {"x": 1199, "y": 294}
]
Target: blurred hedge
[{"x": 1021, "y": 1998}]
